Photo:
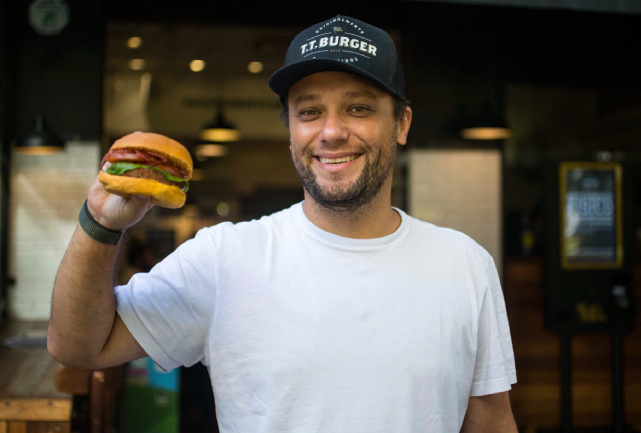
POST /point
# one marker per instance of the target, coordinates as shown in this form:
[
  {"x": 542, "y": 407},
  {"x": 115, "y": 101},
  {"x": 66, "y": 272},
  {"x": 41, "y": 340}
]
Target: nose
[{"x": 334, "y": 129}]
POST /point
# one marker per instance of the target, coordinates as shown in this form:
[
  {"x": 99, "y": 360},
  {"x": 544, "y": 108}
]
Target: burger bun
[{"x": 168, "y": 196}]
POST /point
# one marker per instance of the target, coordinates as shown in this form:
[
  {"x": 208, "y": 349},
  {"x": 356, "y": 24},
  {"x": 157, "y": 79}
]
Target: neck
[{"x": 372, "y": 220}]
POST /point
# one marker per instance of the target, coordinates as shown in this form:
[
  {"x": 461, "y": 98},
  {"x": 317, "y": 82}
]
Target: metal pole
[
  {"x": 618, "y": 403},
  {"x": 566, "y": 383},
  {"x": 8, "y": 98}
]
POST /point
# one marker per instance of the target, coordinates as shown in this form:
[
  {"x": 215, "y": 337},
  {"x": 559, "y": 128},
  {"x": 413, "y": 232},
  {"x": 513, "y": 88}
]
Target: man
[{"x": 340, "y": 314}]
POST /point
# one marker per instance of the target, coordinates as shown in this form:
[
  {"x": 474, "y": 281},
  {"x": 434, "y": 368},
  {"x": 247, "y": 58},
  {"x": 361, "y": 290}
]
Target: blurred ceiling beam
[{"x": 608, "y": 6}]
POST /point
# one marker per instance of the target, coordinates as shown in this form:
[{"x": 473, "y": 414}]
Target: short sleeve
[
  {"x": 169, "y": 309},
  {"x": 495, "y": 369}
]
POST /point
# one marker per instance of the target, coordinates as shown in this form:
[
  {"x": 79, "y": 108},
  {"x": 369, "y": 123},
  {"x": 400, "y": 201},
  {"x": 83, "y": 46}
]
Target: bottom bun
[{"x": 163, "y": 195}]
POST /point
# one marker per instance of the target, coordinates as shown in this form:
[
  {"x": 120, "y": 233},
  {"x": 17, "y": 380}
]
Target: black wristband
[{"x": 96, "y": 231}]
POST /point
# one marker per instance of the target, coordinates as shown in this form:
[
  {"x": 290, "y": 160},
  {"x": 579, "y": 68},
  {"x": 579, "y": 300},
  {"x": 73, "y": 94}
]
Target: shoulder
[
  {"x": 445, "y": 235},
  {"x": 230, "y": 245},
  {"x": 448, "y": 244},
  {"x": 250, "y": 231}
]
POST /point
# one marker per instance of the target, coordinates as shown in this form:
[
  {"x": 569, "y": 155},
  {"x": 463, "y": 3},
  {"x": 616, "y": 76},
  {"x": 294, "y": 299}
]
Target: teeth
[{"x": 338, "y": 160}]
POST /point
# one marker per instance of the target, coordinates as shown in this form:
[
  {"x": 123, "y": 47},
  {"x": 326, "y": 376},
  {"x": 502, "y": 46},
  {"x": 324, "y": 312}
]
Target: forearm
[
  {"x": 490, "y": 413},
  {"x": 83, "y": 306}
]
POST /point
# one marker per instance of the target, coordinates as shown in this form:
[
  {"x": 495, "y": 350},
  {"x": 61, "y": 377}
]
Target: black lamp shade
[
  {"x": 40, "y": 141},
  {"x": 487, "y": 125},
  {"x": 220, "y": 131}
]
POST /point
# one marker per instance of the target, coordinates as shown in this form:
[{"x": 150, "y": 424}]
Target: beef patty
[{"x": 148, "y": 173}]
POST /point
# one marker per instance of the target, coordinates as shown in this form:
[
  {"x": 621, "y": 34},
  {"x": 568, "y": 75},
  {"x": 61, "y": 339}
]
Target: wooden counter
[
  {"x": 536, "y": 398},
  {"x": 29, "y": 400}
]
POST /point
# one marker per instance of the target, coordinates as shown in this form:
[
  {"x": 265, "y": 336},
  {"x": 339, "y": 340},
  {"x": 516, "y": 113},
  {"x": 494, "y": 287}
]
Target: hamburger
[{"x": 148, "y": 164}]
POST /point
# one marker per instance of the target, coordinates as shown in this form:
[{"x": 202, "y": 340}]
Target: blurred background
[{"x": 557, "y": 80}]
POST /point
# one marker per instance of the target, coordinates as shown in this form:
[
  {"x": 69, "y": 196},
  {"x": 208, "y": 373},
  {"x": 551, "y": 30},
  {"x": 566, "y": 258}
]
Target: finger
[{"x": 142, "y": 201}]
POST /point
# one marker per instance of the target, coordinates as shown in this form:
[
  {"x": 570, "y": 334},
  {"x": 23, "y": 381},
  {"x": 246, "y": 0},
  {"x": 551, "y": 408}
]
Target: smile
[{"x": 338, "y": 160}]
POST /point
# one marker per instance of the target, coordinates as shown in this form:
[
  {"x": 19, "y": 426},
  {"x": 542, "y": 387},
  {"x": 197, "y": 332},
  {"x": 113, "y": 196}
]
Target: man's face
[{"x": 343, "y": 138}]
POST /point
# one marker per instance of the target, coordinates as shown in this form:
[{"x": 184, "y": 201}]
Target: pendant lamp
[
  {"x": 40, "y": 141},
  {"x": 219, "y": 130},
  {"x": 487, "y": 125}
]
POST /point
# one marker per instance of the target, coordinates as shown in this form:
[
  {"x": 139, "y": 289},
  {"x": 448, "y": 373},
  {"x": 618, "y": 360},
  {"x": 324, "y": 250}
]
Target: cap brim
[{"x": 285, "y": 77}]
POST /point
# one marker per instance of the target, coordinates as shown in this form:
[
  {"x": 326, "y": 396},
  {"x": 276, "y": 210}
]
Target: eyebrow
[
  {"x": 307, "y": 98},
  {"x": 361, "y": 94},
  {"x": 350, "y": 94}
]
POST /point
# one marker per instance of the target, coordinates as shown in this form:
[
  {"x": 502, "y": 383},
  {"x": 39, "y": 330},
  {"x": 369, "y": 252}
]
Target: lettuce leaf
[{"x": 120, "y": 168}]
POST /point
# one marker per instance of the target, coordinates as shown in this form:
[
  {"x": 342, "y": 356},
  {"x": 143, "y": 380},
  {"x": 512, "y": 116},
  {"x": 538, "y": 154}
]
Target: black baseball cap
[{"x": 342, "y": 44}]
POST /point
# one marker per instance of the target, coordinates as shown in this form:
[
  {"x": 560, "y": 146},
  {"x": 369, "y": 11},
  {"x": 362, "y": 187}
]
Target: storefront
[{"x": 563, "y": 79}]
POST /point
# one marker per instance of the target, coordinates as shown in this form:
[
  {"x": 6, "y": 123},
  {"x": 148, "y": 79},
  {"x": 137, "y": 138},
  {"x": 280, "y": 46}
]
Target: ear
[{"x": 404, "y": 127}]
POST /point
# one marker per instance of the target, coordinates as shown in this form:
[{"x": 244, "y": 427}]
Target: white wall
[
  {"x": 46, "y": 195},
  {"x": 459, "y": 189}
]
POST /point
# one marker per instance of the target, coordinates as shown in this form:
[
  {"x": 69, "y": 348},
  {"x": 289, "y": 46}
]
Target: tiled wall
[
  {"x": 460, "y": 189},
  {"x": 46, "y": 195}
]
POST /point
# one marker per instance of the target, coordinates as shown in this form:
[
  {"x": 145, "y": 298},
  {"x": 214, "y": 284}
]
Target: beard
[{"x": 346, "y": 198}]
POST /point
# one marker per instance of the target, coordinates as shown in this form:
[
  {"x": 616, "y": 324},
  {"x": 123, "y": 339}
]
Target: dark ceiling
[{"x": 561, "y": 46}]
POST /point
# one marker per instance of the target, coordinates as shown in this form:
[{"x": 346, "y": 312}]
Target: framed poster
[{"x": 591, "y": 215}]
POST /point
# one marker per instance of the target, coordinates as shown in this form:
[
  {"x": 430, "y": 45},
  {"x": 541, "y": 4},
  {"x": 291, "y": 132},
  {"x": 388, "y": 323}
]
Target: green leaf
[{"x": 120, "y": 168}]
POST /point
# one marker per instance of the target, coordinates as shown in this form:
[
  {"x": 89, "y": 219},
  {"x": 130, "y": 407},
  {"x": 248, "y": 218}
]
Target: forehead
[{"x": 328, "y": 83}]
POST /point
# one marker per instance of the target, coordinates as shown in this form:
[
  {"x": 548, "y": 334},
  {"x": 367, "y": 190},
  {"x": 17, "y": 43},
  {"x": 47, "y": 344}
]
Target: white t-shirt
[{"x": 304, "y": 331}]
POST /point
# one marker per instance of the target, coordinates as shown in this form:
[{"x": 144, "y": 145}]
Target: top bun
[{"x": 175, "y": 152}]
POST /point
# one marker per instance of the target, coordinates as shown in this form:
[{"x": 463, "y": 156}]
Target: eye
[
  {"x": 308, "y": 113},
  {"x": 359, "y": 109}
]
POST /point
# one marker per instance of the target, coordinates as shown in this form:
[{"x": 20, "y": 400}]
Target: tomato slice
[{"x": 142, "y": 157}]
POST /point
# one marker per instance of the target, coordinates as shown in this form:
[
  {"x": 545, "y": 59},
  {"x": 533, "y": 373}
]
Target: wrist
[{"x": 97, "y": 231}]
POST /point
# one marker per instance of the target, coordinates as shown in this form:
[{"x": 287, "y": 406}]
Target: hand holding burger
[{"x": 148, "y": 164}]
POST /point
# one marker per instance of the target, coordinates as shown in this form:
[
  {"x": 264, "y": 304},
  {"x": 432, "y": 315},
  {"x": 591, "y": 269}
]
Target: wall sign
[
  {"x": 591, "y": 220},
  {"x": 48, "y": 17}
]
